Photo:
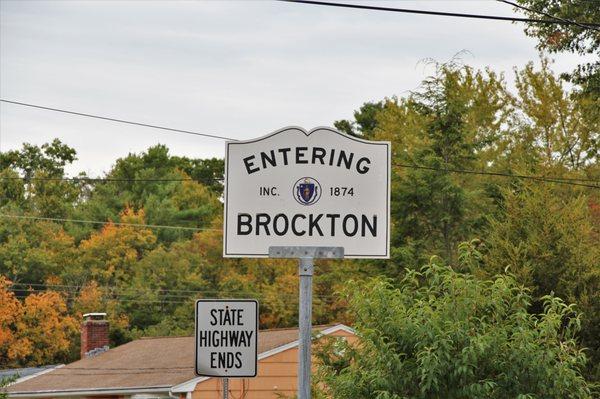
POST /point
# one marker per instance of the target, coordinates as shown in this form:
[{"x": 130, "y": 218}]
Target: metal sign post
[
  {"x": 306, "y": 256},
  {"x": 322, "y": 190},
  {"x": 225, "y": 388}
]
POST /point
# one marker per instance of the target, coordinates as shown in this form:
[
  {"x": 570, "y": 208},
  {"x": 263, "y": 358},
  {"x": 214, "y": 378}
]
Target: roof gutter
[{"x": 91, "y": 392}]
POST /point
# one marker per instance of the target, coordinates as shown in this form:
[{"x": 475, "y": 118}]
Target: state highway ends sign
[
  {"x": 226, "y": 337},
  {"x": 299, "y": 188}
]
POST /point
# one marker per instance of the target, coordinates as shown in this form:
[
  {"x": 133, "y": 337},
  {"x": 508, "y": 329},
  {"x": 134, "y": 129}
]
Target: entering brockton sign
[{"x": 298, "y": 188}]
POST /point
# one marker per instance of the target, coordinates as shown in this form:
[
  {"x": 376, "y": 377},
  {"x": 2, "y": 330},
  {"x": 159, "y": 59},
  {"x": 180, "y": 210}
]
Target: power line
[
  {"x": 126, "y": 291},
  {"x": 564, "y": 21},
  {"x": 149, "y": 301},
  {"x": 547, "y": 179},
  {"x": 164, "y": 295},
  {"x": 133, "y": 291},
  {"x": 170, "y": 298},
  {"x": 107, "y": 179},
  {"x": 566, "y": 181},
  {"x": 438, "y": 13},
  {"x": 291, "y": 298},
  {"x": 154, "y": 226},
  {"x": 77, "y": 287},
  {"x": 106, "y": 118}
]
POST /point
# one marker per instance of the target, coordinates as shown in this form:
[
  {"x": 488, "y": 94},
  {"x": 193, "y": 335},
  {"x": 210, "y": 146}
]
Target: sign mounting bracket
[
  {"x": 306, "y": 252},
  {"x": 306, "y": 256}
]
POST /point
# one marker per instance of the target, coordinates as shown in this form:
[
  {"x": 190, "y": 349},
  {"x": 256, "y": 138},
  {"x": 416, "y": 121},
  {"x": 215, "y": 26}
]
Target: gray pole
[
  {"x": 225, "y": 388},
  {"x": 306, "y": 255},
  {"x": 305, "y": 270}
]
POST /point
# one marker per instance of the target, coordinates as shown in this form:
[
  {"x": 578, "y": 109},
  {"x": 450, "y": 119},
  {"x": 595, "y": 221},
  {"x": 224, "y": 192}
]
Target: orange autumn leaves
[
  {"x": 109, "y": 256},
  {"x": 36, "y": 330}
]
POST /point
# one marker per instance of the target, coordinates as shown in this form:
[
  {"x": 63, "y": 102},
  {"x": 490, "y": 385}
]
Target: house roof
[{"x": 143, "y": 365}]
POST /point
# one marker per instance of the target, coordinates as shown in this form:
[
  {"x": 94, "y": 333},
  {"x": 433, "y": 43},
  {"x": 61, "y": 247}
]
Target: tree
[
  {"x": 34, "y": 251},
  {"x": 365, "y": 120},
  {"x": 47, "y": 324},
  {"x": 442, "y": 334},
  {"x": 12, "y": 191},
  {"x": 47, "y": 198},
  {"x": 451, "y": 123},
  {"x": 549, "y": 241},
  {"x": 109, "y": 256},
  {"x": 36, "y": 331},
  {"x": 570, "y": 38},
  {"x": 552, "y": 129},
  {"x": 50, "y": 158},
  {"x": 13, "y": 347},
  {"x": 4, "y": 382},
  {"x": 153, "y": 182}
]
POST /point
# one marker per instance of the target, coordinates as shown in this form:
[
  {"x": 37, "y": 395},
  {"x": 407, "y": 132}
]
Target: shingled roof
[{"x": 144, "y": 365}]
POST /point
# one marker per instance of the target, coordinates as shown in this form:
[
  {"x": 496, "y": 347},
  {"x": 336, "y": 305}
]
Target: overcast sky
[{"x": 239, "y": 69}]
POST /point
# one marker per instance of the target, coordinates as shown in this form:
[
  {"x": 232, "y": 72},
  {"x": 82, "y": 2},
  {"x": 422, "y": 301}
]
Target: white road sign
[
  {"x": 299, "y": 188},
  {"x": 226, "y": 337}
]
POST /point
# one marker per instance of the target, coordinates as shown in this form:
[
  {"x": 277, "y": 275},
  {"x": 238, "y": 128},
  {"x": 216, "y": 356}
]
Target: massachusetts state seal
[{"x": 307, "y": 191}]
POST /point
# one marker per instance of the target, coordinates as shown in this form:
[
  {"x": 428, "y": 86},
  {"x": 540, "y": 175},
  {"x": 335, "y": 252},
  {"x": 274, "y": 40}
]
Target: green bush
[{"x": 442, "y": 334}]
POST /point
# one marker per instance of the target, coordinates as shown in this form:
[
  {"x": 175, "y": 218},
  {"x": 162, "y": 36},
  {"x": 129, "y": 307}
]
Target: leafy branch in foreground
[{"x": 442, "y": 334}]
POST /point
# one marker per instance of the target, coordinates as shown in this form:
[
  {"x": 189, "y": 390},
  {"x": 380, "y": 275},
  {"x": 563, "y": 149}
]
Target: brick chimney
[{"x": 94, "y": 334}]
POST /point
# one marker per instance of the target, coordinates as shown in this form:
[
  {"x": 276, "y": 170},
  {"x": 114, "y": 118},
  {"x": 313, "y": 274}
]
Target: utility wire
[
  {"x": 546, "y": 179},
  {"x": 438, "y": 13},
  {"x": 77, "y": 287},
  {"x": 214, "y": 136},
  {"x": 292, "y": 298},
  {"x": 107, "y": 179},
  {"x": 161, "y": 302},
  {"x": 174, "y": 298},
  {"x": 564, "y": 21},
  {"x": 154, "y": 226},
  {"x": 129, "y": 292}
]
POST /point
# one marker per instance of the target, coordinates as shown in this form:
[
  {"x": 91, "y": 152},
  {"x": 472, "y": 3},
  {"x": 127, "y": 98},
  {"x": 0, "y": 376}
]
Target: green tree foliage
[
  {"x": 184, "y": 203},
  {"x": 50, "y": 158},
  {"x": 552, "y": 130},
  {"x": 441, "y": 334},
  {"x": 569, "y": 38},
  {"x": 550, "y": 242},
  {"x": 12, "y": 191},
  {"x": 34, "y": 251},
  {"x": 365, "y": 120},
  {"x": 450, "y": 124},
  {"x": 4, "y": 382},
  {"x": 460, "y": 119},
  {"x": 47, "y": 198}
]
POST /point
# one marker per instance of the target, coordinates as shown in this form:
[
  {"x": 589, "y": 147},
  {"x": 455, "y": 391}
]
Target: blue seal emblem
[{"x": 307, "y": 191}]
